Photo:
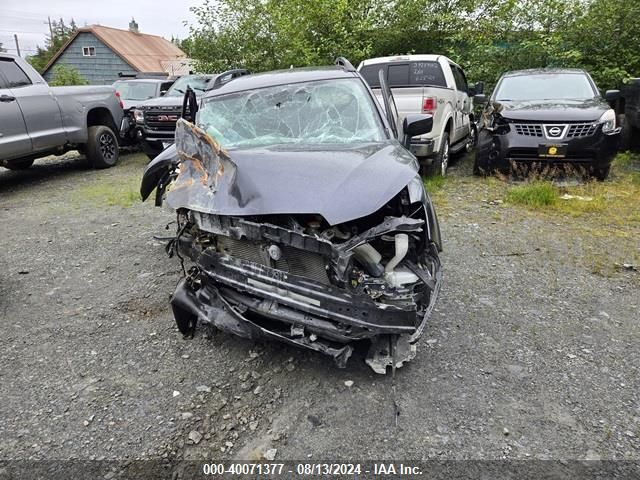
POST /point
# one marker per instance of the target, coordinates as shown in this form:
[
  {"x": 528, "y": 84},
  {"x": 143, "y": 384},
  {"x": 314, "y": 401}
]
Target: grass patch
[
  {"x": 536, "y": 194},
  {"x": 111, "y": 191},
  {"x": 435, "y": 183}
]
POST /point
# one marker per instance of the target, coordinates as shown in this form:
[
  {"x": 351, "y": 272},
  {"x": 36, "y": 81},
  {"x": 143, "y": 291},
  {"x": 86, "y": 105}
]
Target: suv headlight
[
  {"x": 608, "y": 121},
  {"x": 138, "y": 115}
]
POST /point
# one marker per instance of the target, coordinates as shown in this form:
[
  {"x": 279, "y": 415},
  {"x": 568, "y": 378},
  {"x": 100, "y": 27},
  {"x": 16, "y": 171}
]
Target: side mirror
[
  {"x": 480, "y": 99},
  {"x": 162, "y": 92},
  {"x": 612, "y": 95},
  {"x": 414, "y": 125},
  {"x": 476, "y": 89}
]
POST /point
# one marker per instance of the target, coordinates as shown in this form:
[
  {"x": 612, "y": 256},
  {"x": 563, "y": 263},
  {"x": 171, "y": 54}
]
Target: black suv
[
  {"x": 303, "y": 213},
  {"x": 545, "y": 117},
  {"x": 156, "y": 118}
]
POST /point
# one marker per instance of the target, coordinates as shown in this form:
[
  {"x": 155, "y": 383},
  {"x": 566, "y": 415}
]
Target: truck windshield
[
  {"x": 198, "y": 83},
  {"x": 136, "y": 90},
  {"x": 310, "y": 113},
  {"x": 545, "y": 86}
]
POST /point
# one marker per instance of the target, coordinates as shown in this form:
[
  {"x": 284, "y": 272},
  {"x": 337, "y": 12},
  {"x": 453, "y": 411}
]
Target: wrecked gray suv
[{"x": 303, "y": 215}]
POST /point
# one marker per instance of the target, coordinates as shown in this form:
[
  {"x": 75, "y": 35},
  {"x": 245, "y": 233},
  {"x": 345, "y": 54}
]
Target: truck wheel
[
  {"x": 22, "y": 164},
  {"x": 440, "y": 162},
  {"x": 626, "y": 134},
  {"x": 152, "y": 149},
  {"x": 102, "y": 147}
]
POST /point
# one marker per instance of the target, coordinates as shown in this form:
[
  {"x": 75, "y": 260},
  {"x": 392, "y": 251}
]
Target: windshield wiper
[{"x": 178, "y": 90}]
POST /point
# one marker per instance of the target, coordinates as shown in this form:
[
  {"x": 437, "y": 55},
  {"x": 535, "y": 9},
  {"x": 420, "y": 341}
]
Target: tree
[
  {"x": 64, "y": 75},
  {"x": 60, "y": 34},
  {"x": 487, "y": 37}
]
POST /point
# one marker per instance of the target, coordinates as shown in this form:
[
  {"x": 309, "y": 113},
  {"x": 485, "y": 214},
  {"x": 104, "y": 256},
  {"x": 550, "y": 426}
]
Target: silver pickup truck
[{"x": 37, "y": 120}]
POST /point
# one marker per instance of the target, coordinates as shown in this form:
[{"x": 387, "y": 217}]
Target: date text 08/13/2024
[{"x": 304, "y": 469}]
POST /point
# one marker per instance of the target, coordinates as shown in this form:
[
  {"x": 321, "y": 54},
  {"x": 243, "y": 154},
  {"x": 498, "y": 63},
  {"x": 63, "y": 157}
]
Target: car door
[
  {"x": 39, "y": 107},
  {"x": 14, "y": 138},
  {"x": 461, "y": 105}
]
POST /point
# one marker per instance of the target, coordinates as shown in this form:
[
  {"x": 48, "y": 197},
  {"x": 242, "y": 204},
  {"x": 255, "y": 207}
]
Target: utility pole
[
  {"x": 15, "y": 37},
  {"x": 50, "y": 28}
]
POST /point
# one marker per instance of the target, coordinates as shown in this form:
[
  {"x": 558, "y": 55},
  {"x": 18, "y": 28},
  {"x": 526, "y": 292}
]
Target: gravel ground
[{"x": 529, "y": 354}]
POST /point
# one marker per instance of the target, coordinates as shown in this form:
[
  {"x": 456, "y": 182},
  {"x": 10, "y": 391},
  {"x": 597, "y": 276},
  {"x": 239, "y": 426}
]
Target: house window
[{"x": 88, "y": 51}]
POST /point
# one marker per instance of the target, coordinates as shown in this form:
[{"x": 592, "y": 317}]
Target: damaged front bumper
[{"x": 253, "y": 300}]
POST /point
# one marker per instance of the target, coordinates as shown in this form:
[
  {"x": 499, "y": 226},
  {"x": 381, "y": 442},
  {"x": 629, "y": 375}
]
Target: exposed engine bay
[{"x": 296, "y": 277}]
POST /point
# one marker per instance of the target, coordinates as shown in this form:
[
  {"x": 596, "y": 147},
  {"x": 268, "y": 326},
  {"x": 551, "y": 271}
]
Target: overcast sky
[{"x": 28, "y": 18}]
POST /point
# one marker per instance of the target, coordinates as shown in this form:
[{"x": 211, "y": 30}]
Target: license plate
[{"x": 552, "y": 151}]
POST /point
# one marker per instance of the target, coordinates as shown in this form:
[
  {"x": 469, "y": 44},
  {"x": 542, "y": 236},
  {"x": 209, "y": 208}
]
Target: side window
[
  {"x": 398, "y": 75},
  {"x": 13, "y": 74},
  {"x": 370, "y": 74},
  {"x": 461, "y": 81}
]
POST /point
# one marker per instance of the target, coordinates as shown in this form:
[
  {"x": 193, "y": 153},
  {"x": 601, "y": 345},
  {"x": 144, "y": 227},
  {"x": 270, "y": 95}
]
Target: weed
[{"x": 536, "y": 194}]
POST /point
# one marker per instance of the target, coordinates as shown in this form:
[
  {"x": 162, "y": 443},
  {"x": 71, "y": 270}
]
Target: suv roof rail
[
  {"x": 226, "y": 77},
  {"x": 346, "y": 64}
]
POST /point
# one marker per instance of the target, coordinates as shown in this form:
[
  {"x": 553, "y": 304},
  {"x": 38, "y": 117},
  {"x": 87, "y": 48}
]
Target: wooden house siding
[{"x": 101, "y": 69}]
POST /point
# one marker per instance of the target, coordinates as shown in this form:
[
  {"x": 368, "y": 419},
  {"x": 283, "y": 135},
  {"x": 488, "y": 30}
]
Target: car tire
[
  {"x": 601, "y": 174},
  {"x": 21, "y": 164},
  {"x": 102, "y": 147},
  {"x": 152, "y": 149},
  {"x": 440, "y": 163},
  {"x": 481, "y": 165},
  {"x": 472, "y": 141}
]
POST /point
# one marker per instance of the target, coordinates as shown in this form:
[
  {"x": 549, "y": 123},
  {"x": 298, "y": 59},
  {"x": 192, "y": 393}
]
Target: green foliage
[
  {"x": 535, "y": 194},
  {"x": 487, "y": 37},
  {"x": 61, "y": 33},
  {"x": 64, "y": 75}
]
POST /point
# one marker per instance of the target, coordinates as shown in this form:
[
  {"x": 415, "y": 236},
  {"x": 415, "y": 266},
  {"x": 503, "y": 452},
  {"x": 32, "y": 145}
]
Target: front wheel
[
  {"x": 601, "y": 174},
  {"x": 440, "y": 162},
  {"x": 22, "y": 164},
  {"x": 102, "y": 147}
]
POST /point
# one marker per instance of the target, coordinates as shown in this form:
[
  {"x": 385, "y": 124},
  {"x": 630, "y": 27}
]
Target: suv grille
[
  {"x": 528, "y": 129},
  {"x": 162, "y": 119},
  {"x": 581, "y": 130},
  {"x": 295, "y": 261}
]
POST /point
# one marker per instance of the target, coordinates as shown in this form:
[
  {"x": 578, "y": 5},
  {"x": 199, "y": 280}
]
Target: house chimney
[{"x": 133, "y": 26}]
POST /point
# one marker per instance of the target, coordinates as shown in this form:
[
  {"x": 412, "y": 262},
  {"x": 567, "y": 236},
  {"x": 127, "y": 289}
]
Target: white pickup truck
[
  {"x": 429, "y": 84},
  {"x": 37, "y": 120}
]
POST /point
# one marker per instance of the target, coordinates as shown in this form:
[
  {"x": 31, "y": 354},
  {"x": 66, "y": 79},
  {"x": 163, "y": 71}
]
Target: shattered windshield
[{"x": 319, "y": 112}]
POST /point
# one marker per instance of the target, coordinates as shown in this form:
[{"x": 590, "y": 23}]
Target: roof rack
[
  {"x": 346, "y": 64},
  {"x": 227, "y": 76}
]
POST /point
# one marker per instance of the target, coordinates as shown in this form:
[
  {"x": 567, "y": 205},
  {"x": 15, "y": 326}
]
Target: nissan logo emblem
[{"x": 555, "y": 131}]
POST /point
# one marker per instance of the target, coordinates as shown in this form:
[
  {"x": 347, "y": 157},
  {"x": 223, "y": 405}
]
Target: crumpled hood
[
  {"x": 339, "y": 183},
  {"x": 555, "y": 110}
]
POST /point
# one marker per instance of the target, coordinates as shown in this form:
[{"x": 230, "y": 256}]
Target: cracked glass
[{"x": 319, "y": 112}]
